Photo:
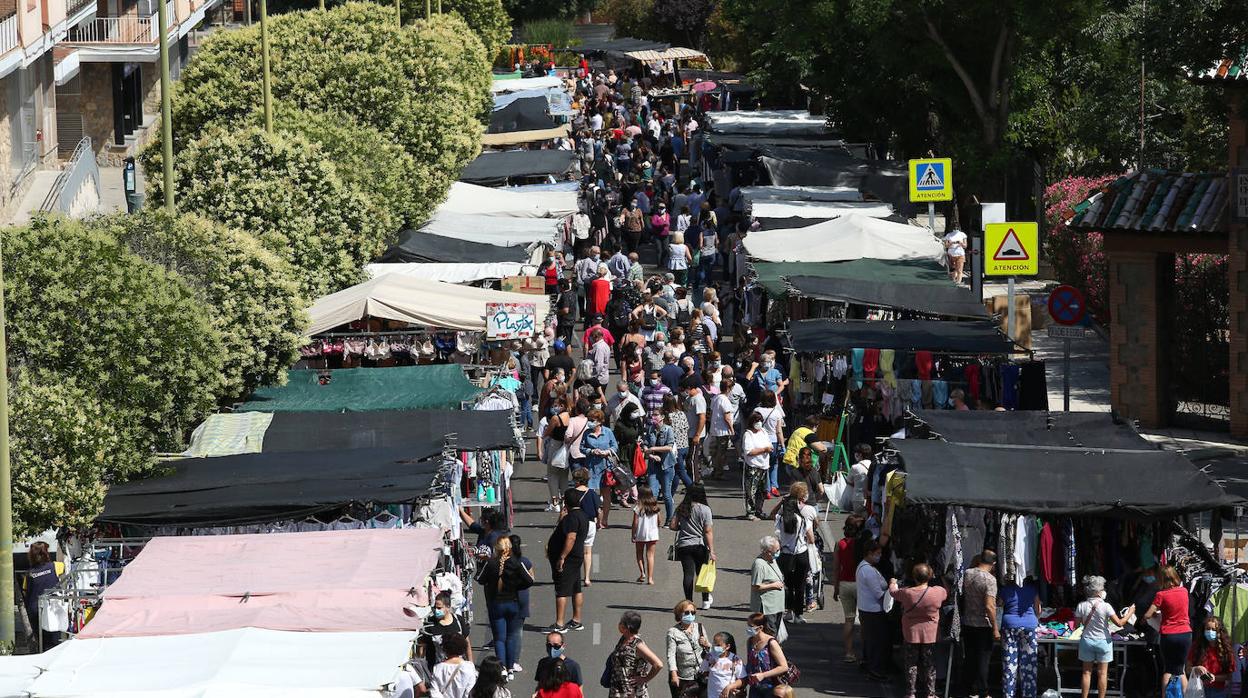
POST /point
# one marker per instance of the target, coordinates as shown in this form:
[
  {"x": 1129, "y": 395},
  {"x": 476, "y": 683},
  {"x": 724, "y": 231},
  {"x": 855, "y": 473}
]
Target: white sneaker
[
  {"x": 706, "y": 603},
  {"x": 551, "y": 507},
  {"x": 516, "y": 668}
]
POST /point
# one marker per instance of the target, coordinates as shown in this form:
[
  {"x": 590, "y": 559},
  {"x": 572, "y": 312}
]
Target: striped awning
[{"x": 670, "y": 54}]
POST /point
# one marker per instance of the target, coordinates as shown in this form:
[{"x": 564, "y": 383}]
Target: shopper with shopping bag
[
  {"x": 695, "y": 538},
  {"x": 705, "y": 583}
]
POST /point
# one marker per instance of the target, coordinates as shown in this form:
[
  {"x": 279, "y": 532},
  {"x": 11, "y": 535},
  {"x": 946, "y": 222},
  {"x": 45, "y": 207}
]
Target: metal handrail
[
  {"x": 8, "y": 33},
  {"x": 80, "y": 170},
  {"x": 76, "y": 6},
  {"x": 114, "y": 30}
]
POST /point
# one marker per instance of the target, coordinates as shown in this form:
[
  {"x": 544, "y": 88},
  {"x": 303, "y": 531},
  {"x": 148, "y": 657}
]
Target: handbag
[
  {"x": 782, "y": 632},
  {"x": 705, "y": 583},
  {"x": 605, "y": 679},
  {"x": 671, "y": 552},
  {"x": 559, "y": 459},
  {"x": 793, "y": 675},
  {"x": 639, "y": 461}
]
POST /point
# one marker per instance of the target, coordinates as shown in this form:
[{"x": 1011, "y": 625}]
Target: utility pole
[
  {"x": 321, "y": 4},
  {"x": 264, "y": 67},
  {"x": 428, "y": 9},
  {"x": 166, "y": 101},
  {"x": 6, "y": 492}
]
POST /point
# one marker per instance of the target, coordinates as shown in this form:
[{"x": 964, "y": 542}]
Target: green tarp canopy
[
  {"x": 442, "y": 386},
  {"x": 910, "y": 285}
]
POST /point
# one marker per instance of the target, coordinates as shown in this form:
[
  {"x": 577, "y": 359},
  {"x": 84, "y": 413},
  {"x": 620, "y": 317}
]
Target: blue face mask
[
  {"x": 1149, "y": 579},
  {"x": 439, "y": 614},
  {"x": 751, "y": 630},
  {"x": 716, "y": 650},
  {"x": 688, "y": 618},
  {"x": 1211, "y": 635},
  {"x": 555, "y": 652}
]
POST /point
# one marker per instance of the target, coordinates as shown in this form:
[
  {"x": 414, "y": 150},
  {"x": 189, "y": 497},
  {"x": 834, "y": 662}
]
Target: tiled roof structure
[{"x": 1157, "y": 201}]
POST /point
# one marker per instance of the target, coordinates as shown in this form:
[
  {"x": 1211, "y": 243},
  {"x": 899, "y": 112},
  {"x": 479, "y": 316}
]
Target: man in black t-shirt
[
  {"x": 557, "y": 653},
  {"x": 566, "y": 552},
  {"x": 566, "y": 311},
  {"x": 561, "y": 358}
]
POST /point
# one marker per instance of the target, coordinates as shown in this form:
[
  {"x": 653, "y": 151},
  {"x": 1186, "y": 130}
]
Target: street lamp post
[
  {"x": 266, "y": 81},
  {"x": 166, "y": 101}
]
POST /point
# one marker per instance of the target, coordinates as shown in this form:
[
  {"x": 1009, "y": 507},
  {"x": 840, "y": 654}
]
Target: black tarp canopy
[
  {"x": 524, "y": 114},
  {"x": 259, "y": 487},
  {"x": 1033, "y": 428},
  {"x": 497, "y": 167},
  {"x": 1057, "y": 481},
  {"x": 419, "y": 431},
  {"x": 623, "y": 44},
  {"x": 967, "y": 337},
  {"x": 890, "y": 284},
  {"x": 417, "y": 246}
]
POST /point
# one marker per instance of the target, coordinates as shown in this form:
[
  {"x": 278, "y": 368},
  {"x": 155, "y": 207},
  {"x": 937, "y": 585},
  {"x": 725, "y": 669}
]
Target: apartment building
[{"x": 75, "y": 69}]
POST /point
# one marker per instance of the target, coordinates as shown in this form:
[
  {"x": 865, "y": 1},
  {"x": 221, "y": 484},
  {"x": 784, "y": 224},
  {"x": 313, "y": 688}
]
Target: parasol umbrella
[{"x": 704, "y": 86}]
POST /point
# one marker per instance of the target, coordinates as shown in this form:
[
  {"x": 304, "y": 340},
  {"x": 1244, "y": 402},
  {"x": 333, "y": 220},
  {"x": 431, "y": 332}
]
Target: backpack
[
  {"x": 684, "y": 313},
  {"x": 618, "y": 312}
]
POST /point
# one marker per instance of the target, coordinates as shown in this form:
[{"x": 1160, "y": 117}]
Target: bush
[
  {"x": 283, "y": 190},
  {"x": 487, "y": 18},
  {"x": 1078, "y": 258},
  {"x": 67, "y": 447},
  {"x": 255, "y": 302},
  {"x": 556, "y": 32},
  {"x": 79, "y": 304}
]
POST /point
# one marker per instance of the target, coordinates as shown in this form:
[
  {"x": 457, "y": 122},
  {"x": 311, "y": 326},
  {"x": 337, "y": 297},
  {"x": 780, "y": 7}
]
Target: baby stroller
[{"x": 622, "y": 482}]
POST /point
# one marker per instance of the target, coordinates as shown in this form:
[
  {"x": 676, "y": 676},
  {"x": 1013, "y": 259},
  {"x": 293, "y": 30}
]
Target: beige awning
[
  {"x": 516, "y": 137},
  {"x": 671, "y": 54}
]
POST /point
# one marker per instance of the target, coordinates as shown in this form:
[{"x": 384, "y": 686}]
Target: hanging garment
[
  {"x": 916, "y": 393},
  {"x": 886, "y": 366},
  {"x": 1233, "y": 614},
  {"x": 940, "y": 394},
  {"x": 1033, "y": 393},
  {"x": 923, "y": 363},
  {"x": 972, "y": 382},
  {"x": 839, "y": 366},
  {"x": 1009, "y": 386},
  {"x": 1048, "y": 571},
  {"x": 856, "y": 358},
  {"x": 870, "y": 363},
  {"x": 926, "y": 394},
  {"x": 1071, "y": 573}
]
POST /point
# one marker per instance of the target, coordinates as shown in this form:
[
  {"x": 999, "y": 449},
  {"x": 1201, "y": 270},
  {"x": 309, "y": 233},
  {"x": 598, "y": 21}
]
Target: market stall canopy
[
  {"x": 504, "y": 203},
  {"x": 436, "y": 386},
  {"x": 675, "y": 53},
  {"x": 416, "y": 301},
  {"x": 316, "y": 581},
  {"x": 525, "y": 114},
  {"x": 1033, "y": 428},
  {"x": 242, "y": 663},
  {"x": 457, "y": 273},
  {"x": 518, "y": 137},
  {"x": 846, "y": 238},
  {"x": 787, "y": 122},
  {"x": 558, "y": 102},
  {"x": 421, "y": 432},
  {"x": 619, "y": 45},
  {"x": 918, "y": 286},
  {"x": 751, "y": 143},
  {"x": 544, "y": 82},
  {"x": 501, "y": 166},
  {"x": 417, "y": 246},
  {"x": 1057, "y": 481},
  {"x": 824, "y": 334},
  {"x": 492, "y": 230},
  {"x": 266, "y": 487},
  {"x": 772, "y": 193},
  {"x": 819, "y": 209}
]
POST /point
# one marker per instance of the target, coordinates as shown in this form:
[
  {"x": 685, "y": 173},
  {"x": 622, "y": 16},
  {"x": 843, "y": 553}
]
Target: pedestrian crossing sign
[
  {"x": 931, "y": 180},
  {"x": 1013, "y": 249}
]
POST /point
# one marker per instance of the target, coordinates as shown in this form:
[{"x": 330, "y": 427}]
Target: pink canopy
[{"x": 323, "y": 581}]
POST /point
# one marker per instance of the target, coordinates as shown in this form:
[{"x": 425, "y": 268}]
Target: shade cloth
[
  {"x": 417, "y": 246},
  {"x": 843, "y": 239},
  {"x": 820, "y": 209},
  {"x": 787, "y": 122},
  {"x": 751, "y": 142},
  {"x": 437, "y": 386},
  {"x": 471, "y": 198},
  {"x": 229, "y": 434},
  {"x": 907, "y": 335},
  {"x": 500, "y": 166},
  {"x": 242, "y": 663},
  {"x": 267, "y": 487},
  {"x": 525, "y": 114},
  {"x": 772, "y": 193},
  {"x": 917, "y": 286},
  {"x": 458, "y": 273},
  {"x": 318, "y": 581},
  {"x": 674, "y": 53},
  {"x": 532, "y": 136},
  {"x": 558, "y": 102},
  {"x": 1057, "y": 481},
  {"x": 1033, "y": 428},
  {"x": 543, "y": 82},
  {"x": 417, "y": 301},
  {"x": 492, "y": 230}
]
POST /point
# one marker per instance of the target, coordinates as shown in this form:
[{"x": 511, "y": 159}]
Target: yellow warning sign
[
  {"x": 931, "y": 180},
  {"x": 1011, "y": 249}
]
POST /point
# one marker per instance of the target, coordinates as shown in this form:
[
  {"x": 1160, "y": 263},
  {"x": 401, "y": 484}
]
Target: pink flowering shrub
[{"x": 1077, "y": 257}]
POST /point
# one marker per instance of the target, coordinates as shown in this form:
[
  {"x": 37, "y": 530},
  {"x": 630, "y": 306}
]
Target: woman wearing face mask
[
  {"x": 648, "y": 314},
  {"x": 633, "y": 664},
  {"x": 695, "y": 538},
  {"x": 765, "y": 663},
  {"x": 722, "y": 666},
  {"x": 773, "y": 426},
  {"x": 756, "y": 447},
  {"x": 1212, "y": 659},
  {"x": 598, "y": 446},
  {"x": 1171, "y": 603},
  {"x": 660, "y": 449},
  {"x": 767, "y": 582},
  {"x": 795, "y": 529},
  {"x": 556, "y": 453},
  {"x": 686, "y": 642},
  {"x": 440, "y": 622}
]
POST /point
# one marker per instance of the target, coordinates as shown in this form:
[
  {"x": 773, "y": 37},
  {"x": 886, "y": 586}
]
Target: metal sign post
[
  {"x": 1009, "y": 299},
  {"x": 931, "y": 216},
  {"x": 1067, "y": 307}
]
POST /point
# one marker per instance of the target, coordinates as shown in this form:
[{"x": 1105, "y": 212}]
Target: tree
[
  {"x": 527, "y": 10},
  {"x": 283, "y": 190},
  {"x": 685, "y": 21},
  {"x": 80, "y": 304},
  {"x": 67, "y": 447},
  {"x": 487, "y": 18},
  {"x": 254, "y": 300}
]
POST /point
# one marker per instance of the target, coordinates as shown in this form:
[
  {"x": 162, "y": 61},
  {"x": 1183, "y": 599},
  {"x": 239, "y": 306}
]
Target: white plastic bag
[
  {"x": 835, "y": 491},
  {"x": 1195, "y": 687}
]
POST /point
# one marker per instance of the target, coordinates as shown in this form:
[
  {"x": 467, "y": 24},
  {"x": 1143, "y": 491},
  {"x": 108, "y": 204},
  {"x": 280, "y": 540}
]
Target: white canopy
[
  {"x": 820, "y": 209},
  {"x": 492, "y": 230},
  {"x": 544, "y": 82},
  {"x": 795, "y": 193},
  {"x": 448, "y": 272},
  {"x": 844, "y": 239},
  {"x": 232, "y": 663},
  {"x": 791, "y": 122},
  {"x": 418, "y": 301},
  {"x": 487, "y": 201}
]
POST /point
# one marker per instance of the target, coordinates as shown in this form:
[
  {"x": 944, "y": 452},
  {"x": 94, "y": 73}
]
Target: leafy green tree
[
  {"x": 80, "y": 304},
  {"x": 525, "y": 10},
  {"x": 283, "y": 190},
  {"x": 67, "y": 446},
  {"x": 255, "y": 302},
  {"x": 487, "y": 18}
]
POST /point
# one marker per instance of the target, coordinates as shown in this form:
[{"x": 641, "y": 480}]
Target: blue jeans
[
  {"x": 706, "y": 266},
  {"x": 682, "y": 469},
  {"x": 526, "y": 412},
  {"x": 660, "y": 481},
  {"x": 773, "y": 475},
  {"x": 506, "y": 624}
]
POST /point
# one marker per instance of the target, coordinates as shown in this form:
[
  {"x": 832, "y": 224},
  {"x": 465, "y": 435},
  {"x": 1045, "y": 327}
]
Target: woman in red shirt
[
  {"x": 1212, "y": 659},
  {"x": 557, "y": 683},
  {"x": 1176, "y": 631},
  {"x": 599, "y": 292},
  {"x": 845, "y": 561}
]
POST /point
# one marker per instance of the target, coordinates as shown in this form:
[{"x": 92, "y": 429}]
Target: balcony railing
[
  {"x": 76, "y": 6},
  {"x": 114, "y": 30},
  {"x": 8, "y": 33}
]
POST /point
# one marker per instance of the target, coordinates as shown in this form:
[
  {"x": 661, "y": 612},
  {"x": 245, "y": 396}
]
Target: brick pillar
[
  {"x": 1237, "y": 269},
  {"x": 1139, "y": 285}
]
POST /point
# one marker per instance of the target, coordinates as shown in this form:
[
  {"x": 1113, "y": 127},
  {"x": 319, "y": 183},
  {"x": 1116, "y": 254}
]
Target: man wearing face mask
[
  {"x": 556, "y": 653},
  {"x": 654, "y": 392},
  {"x": 634, "y": 222},
  {"x": 872, "y": 591},
  {"x": 766, "y": 374},
  {"x": 621, "y": 397}
]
